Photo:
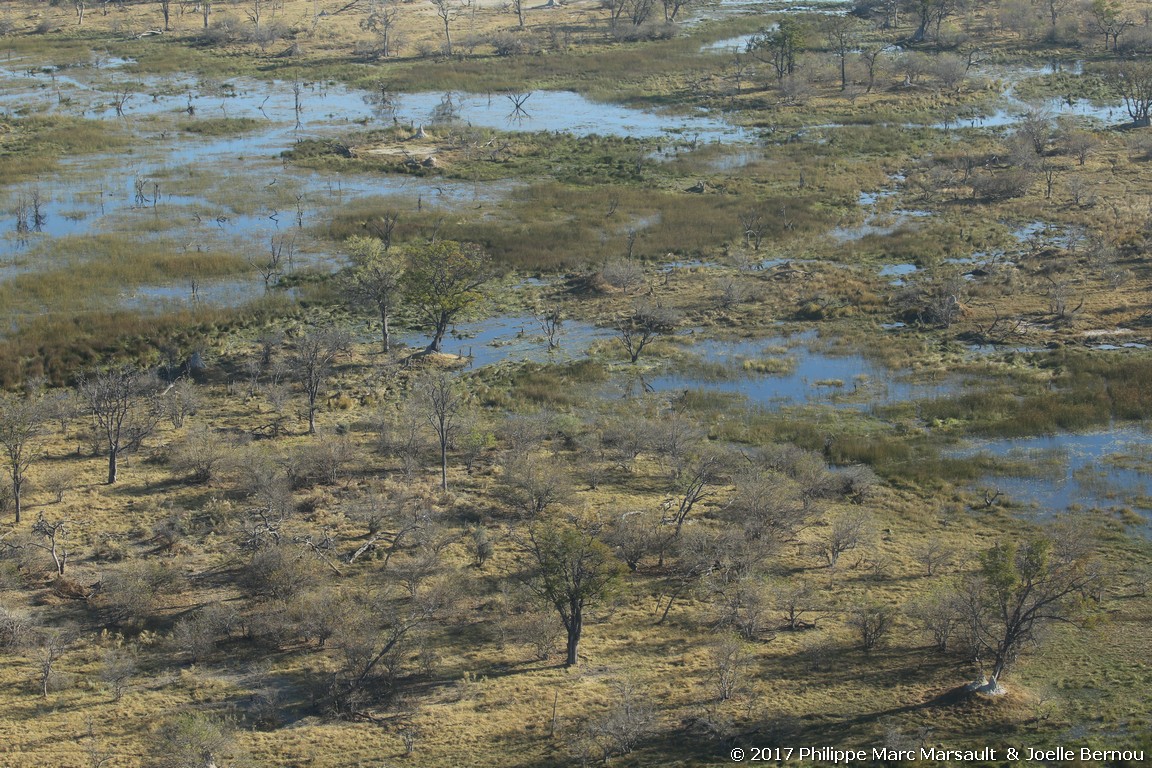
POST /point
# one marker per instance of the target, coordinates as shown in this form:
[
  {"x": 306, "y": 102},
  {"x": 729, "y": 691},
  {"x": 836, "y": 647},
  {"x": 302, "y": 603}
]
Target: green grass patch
[
  {"x": 32, "y": 146},
  {"x": 221, "y": 126}
]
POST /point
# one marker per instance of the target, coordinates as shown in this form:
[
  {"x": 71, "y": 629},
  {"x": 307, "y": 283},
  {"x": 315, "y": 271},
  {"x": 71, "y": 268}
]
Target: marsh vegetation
[{"x": 584, "y": 383}]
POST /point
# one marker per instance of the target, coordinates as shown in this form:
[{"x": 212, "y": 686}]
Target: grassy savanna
[
  {"x": 771, "y": 573},
  {"x": 476, "y": 673}
]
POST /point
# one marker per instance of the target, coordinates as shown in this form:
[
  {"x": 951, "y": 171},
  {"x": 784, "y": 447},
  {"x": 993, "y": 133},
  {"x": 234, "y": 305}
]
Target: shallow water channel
[{"x": 1107, "y": 470}]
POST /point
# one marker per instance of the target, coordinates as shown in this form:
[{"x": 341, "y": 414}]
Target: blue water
[{"x": 1102, "y": 470}]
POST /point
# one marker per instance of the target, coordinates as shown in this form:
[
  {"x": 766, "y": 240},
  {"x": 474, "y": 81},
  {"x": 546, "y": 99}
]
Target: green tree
[
  {"x": 778, "y": 46},
  {"x": 573, "y": 571},
  {"x": 375, "y": 279},
  {"x": 1106, "y": 17},
  {"x": 442, "y": 281},
  {"x": 1020, "y": 588}
]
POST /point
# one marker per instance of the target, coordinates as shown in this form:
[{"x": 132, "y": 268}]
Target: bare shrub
[
  {"x": 536, "y": 629},
  {"x": 934, "y": 555},
  {"x": 729, "y": 664},
  {"x": 845, "y": 532},
  {"x": 937, "y": 613},
  {"x": 277, "y": 572},
  {"x": 199, "y": 456},
  {"x": 1004, "y": 185},
  {"x": 628, "y": 722},
  {"x": 117, "y": 667},
  {"x": 194, "y": 741},
  {"x": 743, "y": 605},
  {"x": 16, "y": 629},
  {"x": 130, "y": 593},
  {"x": 623, "y": 274},
  {"x": 319, "y": 614},
  {"x": 197, "y": 634},
  {"x": 872, "y": 623}
]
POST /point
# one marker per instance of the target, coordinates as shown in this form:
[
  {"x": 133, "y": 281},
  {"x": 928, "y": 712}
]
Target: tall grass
[
  {"x": 58, "y": 345},
  {"x": 32, "y": 146},
  {"x": 553, "y": 226}
]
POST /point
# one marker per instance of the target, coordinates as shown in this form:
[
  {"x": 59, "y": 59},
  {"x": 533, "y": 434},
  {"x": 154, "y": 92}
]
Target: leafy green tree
[
  {"x": 442, "y": 281},
  {"x": 1107, "y": 18},
  {"x": 1020, "y": 588},
  {"x": 375, "y": 279},
  {"x": 574, "y": 570},
  {"x": 778, "y": 46}
]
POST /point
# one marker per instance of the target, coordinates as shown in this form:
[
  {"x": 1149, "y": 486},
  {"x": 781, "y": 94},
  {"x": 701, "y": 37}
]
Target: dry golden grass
[{"x": 487, "y": 704}]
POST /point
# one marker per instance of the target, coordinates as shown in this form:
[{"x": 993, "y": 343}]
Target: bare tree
[
  {"x": 312, "y": 365},
  {"x": 123, "y": 402},
  {"x": 694, "y": 481},
  {"x": 550, "y": 320},
  {"x": 22, "y": 422},
  {"x": 449, "y": 11},
  {"x": 53, "y": 644},
  {"x": 846, "y": 532},
  {"x": 55, "y": 536},
  {"x": 166, "y": 12},
  {"x": 935, "y": 554},
  {"x": 672, "y": 8},
  {"x": 842, "y": 35},
  {"x": 729, "y": 664},
  {"x": 754, "y": 226},
  {"x": 444, "y": 397},
  {"x": 381, "y": 20},
  {"x": 271, "y": 268},
  {"x": 518, "y": 7},
  {"x": 1132, "y": 80},
  {"x": 870, "y": 55},
  {"x": 642, "y": 325}
]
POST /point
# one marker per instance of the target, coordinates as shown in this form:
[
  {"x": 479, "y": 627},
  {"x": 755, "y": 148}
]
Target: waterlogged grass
[
  {"x": 109, "y": 264},
  {"x": 554, "y": 226},
  {"x": 33, "y": 146},
  {"x": 57, "y": 345},
  {"x": 221, "y": 126},
  {"x": 1085, "y": 390}
]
